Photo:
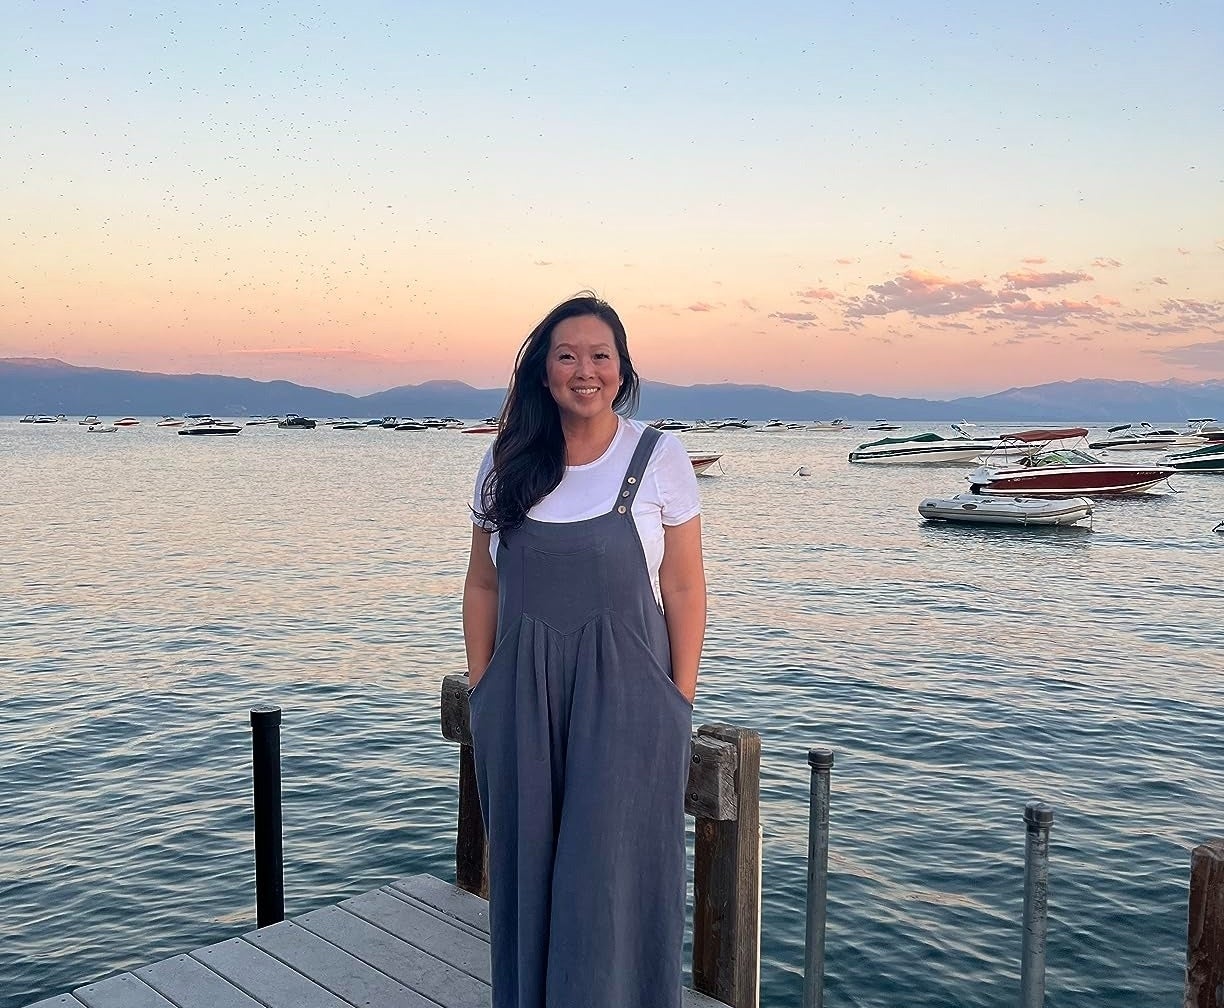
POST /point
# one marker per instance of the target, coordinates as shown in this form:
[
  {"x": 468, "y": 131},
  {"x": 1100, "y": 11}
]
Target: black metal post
[
  {"x": 821, "y": 763},
  {"x": 269, "y": 860}
]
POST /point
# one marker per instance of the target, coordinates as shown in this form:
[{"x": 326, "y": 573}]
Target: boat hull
[
  {"x": 975, "y": 509},
  {"x": 1067, "y": 481}
]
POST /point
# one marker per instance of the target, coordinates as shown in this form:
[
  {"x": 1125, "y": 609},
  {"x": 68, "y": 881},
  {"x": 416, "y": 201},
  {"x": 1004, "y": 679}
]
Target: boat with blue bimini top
[{"x": 974, "y": 509}]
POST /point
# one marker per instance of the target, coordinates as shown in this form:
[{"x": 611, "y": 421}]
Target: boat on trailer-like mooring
[{"x": 975, "y": 509}]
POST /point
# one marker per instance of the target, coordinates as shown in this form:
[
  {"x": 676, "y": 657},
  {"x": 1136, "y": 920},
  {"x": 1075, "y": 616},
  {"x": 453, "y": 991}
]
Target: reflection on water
[{"x": 161, "y": 586}]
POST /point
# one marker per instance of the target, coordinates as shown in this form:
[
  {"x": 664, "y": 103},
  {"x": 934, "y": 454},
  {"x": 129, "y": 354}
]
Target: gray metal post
[
  {"x": 269, "y": 861},
  {"x": 821, "y": 762},
  {"x": 1038, "y": 818}
]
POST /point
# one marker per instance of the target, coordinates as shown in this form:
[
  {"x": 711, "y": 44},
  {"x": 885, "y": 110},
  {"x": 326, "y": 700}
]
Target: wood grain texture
[
  {"x": 1205, "y": 928},
  {"x": 726, "y": 883},
  {"x": 455, "y": 724}
]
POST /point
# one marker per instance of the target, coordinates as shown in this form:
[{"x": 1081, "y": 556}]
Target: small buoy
[{"x": 803, "y": 471}]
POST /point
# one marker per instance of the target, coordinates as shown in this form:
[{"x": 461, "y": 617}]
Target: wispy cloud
[
  {"x": 1034, "y": 261},
  {"x": 1037, "y": 313},
  {"x": 905, "y": 255},
  {"x": 804, "y": 320},
  {"x": 927, "y": 294},
  {"x": 1182, "y": 251},
  {"x": 748, "y": 305},
  {"x": 816, "y": 294},
  {"x": 1106, "y": 263},
  {"x": 1208, "y": 356},
  {"x": 1029, "y": 280},
  {"x": 1160, "y": 280},
  {"x": 700, "y": 306},
  {"x": 845, "y": 261},
  {"x": 541, "y": 262}
]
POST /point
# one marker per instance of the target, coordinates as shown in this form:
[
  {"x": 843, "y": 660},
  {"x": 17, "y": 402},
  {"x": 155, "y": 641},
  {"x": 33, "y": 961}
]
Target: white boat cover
[{"x": 978, "y": 509}]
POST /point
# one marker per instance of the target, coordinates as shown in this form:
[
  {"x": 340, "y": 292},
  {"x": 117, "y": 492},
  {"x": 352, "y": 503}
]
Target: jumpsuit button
[
  {"x": 621, "y": 509},
  {"x": 625, "y": 494},
  {"x": 632, "y": 479}
]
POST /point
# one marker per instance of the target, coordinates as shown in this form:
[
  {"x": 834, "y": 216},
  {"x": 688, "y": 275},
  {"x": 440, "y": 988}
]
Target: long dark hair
[{"x": 529, "y": 453}]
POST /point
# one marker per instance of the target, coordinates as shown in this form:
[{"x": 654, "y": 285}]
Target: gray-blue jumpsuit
[{"x": 582, "y": 747}]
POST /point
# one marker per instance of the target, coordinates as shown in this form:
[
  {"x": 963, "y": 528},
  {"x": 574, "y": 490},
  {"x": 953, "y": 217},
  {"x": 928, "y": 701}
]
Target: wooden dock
[{"x": 418, "y": 943}]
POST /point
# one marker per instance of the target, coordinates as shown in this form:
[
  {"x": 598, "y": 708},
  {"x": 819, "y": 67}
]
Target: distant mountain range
[{"x": 39, "y": 385}]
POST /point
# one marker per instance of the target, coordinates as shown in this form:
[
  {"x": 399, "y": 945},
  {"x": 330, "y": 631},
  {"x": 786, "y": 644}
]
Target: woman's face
[{"x": 583, "y": 368}]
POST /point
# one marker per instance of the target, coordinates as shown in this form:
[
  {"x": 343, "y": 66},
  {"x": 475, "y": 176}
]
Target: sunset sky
[{"x": 898, "y": 198}]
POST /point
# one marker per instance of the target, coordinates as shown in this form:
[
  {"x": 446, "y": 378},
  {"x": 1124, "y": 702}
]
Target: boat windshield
[{"x": 1062, "y": 457}]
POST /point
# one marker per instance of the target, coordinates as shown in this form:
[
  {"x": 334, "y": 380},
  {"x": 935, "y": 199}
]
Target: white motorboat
[
  {"x": 87, "y": 422},
  {"x": 211, "y": 427},
  {"x": 127, "y": 421},
  {"x": 1062, "y": 472},
  {"x": 884, "y": 425},
  {"x": 346, "y": 424},
  {"x": 976, "y": 509},
  {"x": 928, "y": 448},
  {"x": 837, "y": 424},
  {"x": 101, "y": 428},
  {"x": 1137, "y": 437},
  {"x": 169, "y": 421},
  {"x": 702, "y": 461}
]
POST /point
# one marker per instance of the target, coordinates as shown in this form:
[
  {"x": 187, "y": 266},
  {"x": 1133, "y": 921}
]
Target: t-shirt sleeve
[
  {"x": 676, "y": 481},
  {"x": 479, "y": 505}
]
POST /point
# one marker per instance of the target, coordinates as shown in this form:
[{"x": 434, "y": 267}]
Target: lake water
[{"x": 156, "y": 587}]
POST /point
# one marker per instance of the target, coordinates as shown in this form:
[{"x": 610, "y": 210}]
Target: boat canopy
[{"x": 1047, "y": 435}]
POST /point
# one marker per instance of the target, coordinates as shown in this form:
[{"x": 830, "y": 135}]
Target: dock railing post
[
  {"x": 471, "y": 849},
  {"x": 821, "y": 763},
  {"x": 727, "y": 879},
  {"x": 1205, "y": 927},
  {"x": 269, "y": 856},
  {"x": 1038, "y": 818}
]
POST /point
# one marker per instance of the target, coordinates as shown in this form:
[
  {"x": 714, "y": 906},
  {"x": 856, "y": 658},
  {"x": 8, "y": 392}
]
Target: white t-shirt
[{"x": 667, "y": 494}]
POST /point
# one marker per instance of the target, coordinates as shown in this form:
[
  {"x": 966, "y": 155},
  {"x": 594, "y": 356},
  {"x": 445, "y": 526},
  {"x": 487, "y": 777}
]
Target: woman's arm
[
  {"x": 479, "y": 606},
  {"x": 682, "y": 585}
]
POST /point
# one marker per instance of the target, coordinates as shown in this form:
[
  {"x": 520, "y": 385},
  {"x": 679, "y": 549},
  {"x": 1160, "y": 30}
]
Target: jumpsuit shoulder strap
[{"x": 637, "y": 468}]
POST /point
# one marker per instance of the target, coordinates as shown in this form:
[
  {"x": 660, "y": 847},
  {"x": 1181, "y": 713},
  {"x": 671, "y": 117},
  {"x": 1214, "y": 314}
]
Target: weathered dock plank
[
  {"x": 268, "y": 980},
  {"x": 122, "y": 991},
  {"x": 188, "y": 983},
  {"x": 451, "y": 945},
  {"x": 332, "y": 968},
  {"x": 405, "y": 963},
  {"x": 418, "y": 943}
]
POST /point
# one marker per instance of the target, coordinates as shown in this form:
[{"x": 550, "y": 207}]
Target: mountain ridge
[{"x": 47, "y": 385}]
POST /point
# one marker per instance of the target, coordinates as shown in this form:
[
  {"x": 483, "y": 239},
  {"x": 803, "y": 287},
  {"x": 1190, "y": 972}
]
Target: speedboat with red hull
[{"x": 1063, "y": 471}]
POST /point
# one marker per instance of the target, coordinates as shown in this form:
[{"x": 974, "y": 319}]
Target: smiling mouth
[{"x": 586, "y": 391}]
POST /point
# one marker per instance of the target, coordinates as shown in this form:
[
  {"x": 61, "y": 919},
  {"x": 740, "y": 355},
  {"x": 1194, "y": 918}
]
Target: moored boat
[
  {"x": 1209, "y": 458},
  {"x": 927, "y": 448},
  {"x": 702, "y": 461},
  {"x": 1062, "y": 472},
  {"x": 294, "y": 422},
  {"x": 169, "y": 421},
  {"x": 101, "y": 428},
  {"x": 89, "y": 421},
  {"x": 211, "y": 427},
  {"x": 975, "y": 509},
  {"x": 127, "y": 421}
]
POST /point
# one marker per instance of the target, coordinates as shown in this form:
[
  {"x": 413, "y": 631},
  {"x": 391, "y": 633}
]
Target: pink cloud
[
  {"x": 1106, "y": 301},
  {"x": 923, "y": 293},
  {"x": 1105, "y": 263},
  {"x": 905, "y": 255},
  {"x": 1044, "y": 312},
  {"x": 1034, "y": 261},
  {"x": 1160, "y": 280},
  {"x": 541, "y": 262},
  {"x": 845, "y": 262},
  {"x": 816, "y": 294},
  {"x": 745, "y": 303},
  {"x": 1028, "y": 280},
  {"x": 700, "y": 306}
]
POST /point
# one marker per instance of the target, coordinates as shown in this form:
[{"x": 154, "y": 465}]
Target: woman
[{"x": 583, "y": 615}]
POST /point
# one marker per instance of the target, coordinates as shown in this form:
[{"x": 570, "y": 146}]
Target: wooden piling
[
  {"x": 1205, "y": 929},
  {"x": 723, "y": 794},
  {"x": 471, "y": 850}
]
